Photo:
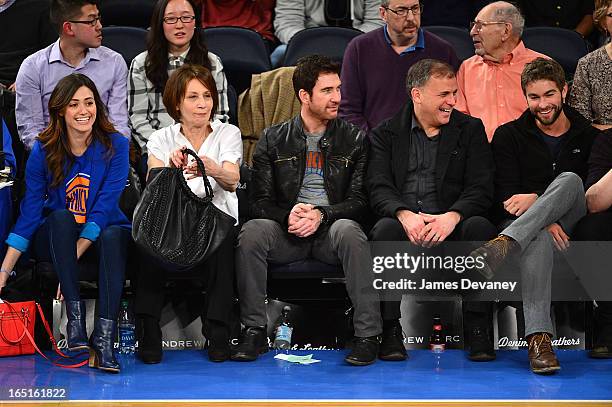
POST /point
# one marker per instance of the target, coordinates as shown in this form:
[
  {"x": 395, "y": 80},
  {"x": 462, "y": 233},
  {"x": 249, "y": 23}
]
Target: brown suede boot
[
  {"x": 542, "y": 359},
  {"x": 494, "y": 253}
]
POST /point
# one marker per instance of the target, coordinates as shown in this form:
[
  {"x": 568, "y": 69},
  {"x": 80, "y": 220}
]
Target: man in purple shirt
[
  {"x": 375, "y": 64},
  {"x": 77, "y": 50}
]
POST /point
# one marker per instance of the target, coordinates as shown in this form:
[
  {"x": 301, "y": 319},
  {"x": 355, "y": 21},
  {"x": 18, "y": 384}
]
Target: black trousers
[
  {"x": 217, "y": 274},
  {"x": 598, "y": 227},
  {"x": 473, "y": 229}
]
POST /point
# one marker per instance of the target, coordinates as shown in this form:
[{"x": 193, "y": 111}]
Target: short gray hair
[
  {"x": 419, "y": 74},
  {"x": 509, "y": 13},
  {"x": 385, "y": 3}
]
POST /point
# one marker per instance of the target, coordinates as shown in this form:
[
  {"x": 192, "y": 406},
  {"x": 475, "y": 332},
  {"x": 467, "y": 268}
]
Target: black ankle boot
[
  {"x": 76, "y": 333},
  {"x": 481, "y": 348},
  {"x": 253, "y": 342},
  {"x": 364, "y": 351},
  {"x": 149, "y": 337},
  {"x": 217, "y": 337},
  {"x": 101, "y": 354},
  {"x": 392, "y": 344}
]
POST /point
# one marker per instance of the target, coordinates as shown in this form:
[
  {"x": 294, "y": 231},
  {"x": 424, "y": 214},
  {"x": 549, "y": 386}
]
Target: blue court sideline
[{"x": 189, "y": 375}]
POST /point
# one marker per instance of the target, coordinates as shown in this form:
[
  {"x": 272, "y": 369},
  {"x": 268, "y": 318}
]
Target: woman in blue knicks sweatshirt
[{"x": 74, "y": 177}]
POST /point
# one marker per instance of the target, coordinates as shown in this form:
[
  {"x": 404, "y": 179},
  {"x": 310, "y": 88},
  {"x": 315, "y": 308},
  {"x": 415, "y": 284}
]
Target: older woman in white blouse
[{"x": 191, "y": 99}]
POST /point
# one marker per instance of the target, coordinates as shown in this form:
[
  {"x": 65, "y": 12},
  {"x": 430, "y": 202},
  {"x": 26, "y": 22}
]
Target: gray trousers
[
  {"x": 263, "y": 241},
  {"x": 563, "y": 202}
]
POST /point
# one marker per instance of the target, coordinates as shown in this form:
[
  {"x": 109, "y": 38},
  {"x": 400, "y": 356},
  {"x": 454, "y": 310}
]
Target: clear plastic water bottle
[
  {"x": 127, "y": 332},
  {"x": 284, "y": 330}
]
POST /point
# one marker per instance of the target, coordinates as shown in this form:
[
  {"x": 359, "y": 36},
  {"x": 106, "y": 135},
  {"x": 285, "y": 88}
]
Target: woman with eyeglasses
[
  {"x": 592, "y": 86},
  {"x": 75, "y": 174},
  {"x": 174, "y": 39}
]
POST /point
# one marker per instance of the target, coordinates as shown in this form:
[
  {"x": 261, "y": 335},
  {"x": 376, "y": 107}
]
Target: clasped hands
[
  {"x": 180, "y": 160},
  {"x": 304, "y": 220},
  {"x": 428, "y": 230}
]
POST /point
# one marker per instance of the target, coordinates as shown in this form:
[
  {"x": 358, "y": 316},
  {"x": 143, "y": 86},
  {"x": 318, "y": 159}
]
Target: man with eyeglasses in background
[
  {"x": 376, "y": 63},
  {"x": 78, "y": 49},
  {"x": 490, "y": 81}
]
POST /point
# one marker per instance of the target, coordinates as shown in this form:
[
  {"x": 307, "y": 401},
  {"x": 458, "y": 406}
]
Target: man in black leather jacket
[
  {"x": 430, "y": 179},
  {"x": 307, "y": 197}
]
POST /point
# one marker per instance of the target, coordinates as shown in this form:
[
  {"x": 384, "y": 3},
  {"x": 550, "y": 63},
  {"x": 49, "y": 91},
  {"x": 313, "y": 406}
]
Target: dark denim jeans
[{"x": 55, "y": 242}]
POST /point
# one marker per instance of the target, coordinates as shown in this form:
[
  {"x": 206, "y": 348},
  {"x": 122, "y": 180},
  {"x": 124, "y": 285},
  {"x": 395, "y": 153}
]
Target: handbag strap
[
  {"x": 51, "y": 338},
  {"x": 24, "y": 322},
  {"x": 202, "y": 169}
]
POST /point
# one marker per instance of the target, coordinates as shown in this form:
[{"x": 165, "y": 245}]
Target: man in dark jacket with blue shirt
[{"x": 541, "y": 164}]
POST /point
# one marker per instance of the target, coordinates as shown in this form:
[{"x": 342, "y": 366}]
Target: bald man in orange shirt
[{"x": 490, "y": 81}]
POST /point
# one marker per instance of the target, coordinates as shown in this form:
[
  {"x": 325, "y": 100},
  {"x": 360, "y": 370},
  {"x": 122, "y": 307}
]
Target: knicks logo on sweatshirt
[{"x": 77, "y": 192}]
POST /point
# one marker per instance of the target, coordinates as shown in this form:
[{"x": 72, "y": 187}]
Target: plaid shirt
[{"x": 146, "y": 110}]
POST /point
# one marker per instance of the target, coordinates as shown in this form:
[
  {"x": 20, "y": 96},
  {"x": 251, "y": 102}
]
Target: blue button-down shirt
[
  {"x": 41, "y": 71},
  {"x": 419, "y": 44}
]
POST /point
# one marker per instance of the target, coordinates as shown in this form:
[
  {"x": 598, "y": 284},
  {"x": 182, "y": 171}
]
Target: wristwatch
[
  {"x": 9, "y": 272},
  {"x": 323, "y": 219}
]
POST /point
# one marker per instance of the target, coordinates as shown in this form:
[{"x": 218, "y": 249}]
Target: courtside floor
[{"x": 188, "y": 375}]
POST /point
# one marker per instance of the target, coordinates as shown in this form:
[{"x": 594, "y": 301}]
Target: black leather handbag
[
  {"x": 131, "y": 194},
  {"x": 173, "y": 224}
]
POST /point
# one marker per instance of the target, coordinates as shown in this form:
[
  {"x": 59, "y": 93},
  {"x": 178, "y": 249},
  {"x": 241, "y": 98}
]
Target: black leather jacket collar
[{"x": 279, "y": 164}]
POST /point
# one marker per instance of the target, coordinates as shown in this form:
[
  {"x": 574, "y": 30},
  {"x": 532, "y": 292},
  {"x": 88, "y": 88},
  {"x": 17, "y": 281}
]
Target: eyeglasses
[
  {"x": 480, "y": 24},
  {"x": 174, "y": 20},
  {"x": 91, "y": 22},
  {"x": 403, "y": 11}
]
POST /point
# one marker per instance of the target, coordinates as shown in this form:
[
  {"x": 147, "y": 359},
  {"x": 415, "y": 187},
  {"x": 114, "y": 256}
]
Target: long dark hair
[
  {"x": 54, "y": 138},
  {"x": 156, "y": 63}
]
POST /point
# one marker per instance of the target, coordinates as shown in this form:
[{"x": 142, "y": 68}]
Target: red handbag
[
  {"x": 15, "y": 320},
  {"x": 17, "y": 332}
]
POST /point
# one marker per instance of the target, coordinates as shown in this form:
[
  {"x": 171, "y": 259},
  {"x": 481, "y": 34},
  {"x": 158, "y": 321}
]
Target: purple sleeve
[{"x": 351, "y": 104}]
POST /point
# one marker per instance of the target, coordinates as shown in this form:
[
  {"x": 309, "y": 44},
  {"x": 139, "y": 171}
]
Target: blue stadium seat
[
  {"x": 128, "y": 41},
  {"x": 131, "y": 13},
  {"x": 232, "y": 100},
  {"x": 563, "y": 45},
  {"x": 328, "y": 41},
  {"x": 242, "y": 51},
  {"x": 459, "y": 38}
]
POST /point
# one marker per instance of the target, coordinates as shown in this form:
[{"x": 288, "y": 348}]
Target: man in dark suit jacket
[{"x": 430, "y": 178}]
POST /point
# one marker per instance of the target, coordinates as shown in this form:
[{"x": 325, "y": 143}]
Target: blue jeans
[
  {"x": 6, "y": 214},
  {"x": 55, "y": 242}
]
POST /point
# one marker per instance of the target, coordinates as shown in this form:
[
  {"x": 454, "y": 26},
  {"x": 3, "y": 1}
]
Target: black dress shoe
[
  {"x": 392, "y": 345},
  {"x": 149, "y": 339},
  {"x": 480, "y": 345},
  {"x": 217, "y": 337},
  {"x": 253, "y": 342},
  {"x": 602, "y": 324},
  {"x": 364, "y": 351},
  {"x": 601, "y": 352}
]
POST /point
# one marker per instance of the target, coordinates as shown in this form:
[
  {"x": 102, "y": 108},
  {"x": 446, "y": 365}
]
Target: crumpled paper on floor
[{"x": 302, "y": 360}]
